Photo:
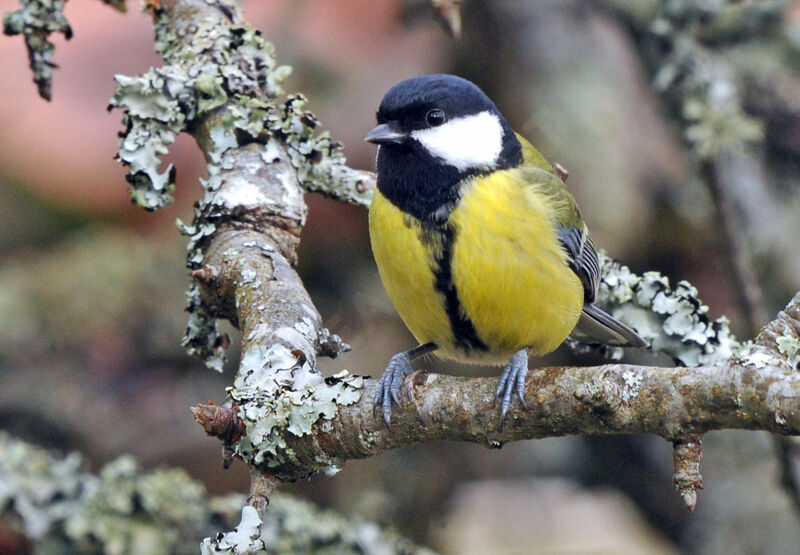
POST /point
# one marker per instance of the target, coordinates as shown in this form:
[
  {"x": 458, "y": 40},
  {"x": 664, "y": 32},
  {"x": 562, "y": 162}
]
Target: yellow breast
[
  {"x": 510, "y": 275},
  {"x": 509, "y": 267},
  {"x": 406, "y": 269}
]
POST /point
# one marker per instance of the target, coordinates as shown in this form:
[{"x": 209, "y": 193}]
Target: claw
[
  {"x": 388, "y": 390},
  {"x": 512, "y": 380},
  {"x": 389, "y": 387}
]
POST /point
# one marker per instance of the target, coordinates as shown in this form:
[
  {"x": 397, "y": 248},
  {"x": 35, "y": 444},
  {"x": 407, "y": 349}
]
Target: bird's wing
[
  {"x": 582, "y": 257},
  {"x": 571, "y": 229}
]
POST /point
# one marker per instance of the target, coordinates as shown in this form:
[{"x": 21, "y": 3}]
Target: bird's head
[{"x": 443, "y": 120}]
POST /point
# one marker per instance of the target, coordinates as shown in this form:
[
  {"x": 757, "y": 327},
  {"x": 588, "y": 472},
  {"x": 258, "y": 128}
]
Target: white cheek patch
[{"x": 471, "y": 142}]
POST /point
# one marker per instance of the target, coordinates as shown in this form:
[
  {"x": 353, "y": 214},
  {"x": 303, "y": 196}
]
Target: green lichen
[
  {"x": 279, "y": 394},
  {"x": 673, "y": 320},
  {"x": 135, "y": 511},
  {"x": 38, "y": 491},
  {"x": 789, "y": 345}
]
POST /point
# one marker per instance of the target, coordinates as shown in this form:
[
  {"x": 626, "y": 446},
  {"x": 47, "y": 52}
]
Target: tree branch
[{"x": 760, "y": 390}]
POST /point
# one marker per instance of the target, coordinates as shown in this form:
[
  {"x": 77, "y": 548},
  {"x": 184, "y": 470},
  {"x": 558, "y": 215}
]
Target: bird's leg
[
  {"x": 399, "y": 367},
  {"x": 512, "y": 379}
]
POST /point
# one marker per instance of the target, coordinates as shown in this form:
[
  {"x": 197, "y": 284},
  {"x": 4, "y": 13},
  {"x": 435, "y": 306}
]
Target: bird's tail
[{"x": 597, "y": 326}]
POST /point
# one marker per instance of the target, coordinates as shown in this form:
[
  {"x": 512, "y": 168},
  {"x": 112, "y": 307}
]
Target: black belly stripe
[{"x": 443, "y": 237}]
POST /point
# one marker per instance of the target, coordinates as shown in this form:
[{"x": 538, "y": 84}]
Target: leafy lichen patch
[
  {"x": 279, "y": 393},
  {"x": 789, "y": 345},
  {"x": 675, "y": 321}
]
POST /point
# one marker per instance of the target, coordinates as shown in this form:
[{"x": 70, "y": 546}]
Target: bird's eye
[{"x": 435, "y": 117}]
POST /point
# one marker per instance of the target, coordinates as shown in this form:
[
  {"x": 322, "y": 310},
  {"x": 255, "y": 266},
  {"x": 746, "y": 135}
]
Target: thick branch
[
  {"x": 675, "y": 403},
  {"x": 759, "y": 390}
]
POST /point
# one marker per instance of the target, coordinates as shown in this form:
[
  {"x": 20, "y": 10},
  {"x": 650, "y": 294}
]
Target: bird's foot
[
  {"x": 388, "y": 390},
  {"x": 512, "y": 379}
]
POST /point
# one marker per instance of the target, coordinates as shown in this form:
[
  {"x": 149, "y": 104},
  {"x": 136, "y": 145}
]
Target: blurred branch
[
  {"x": 788, "y": 452},
  {"x": 743, "y": 278},
  {"x": 62, "y": 508},
  {"x": 707, "y": 61},
  {"x": 36, "y": 20},
  {"x": 448, "y": 12}
]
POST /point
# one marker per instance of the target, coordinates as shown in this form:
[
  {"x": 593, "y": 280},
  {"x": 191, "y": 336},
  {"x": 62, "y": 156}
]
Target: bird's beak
[{"x": 386, "y": 134}]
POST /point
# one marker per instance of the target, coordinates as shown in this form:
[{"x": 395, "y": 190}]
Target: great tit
[{"x": 478, "y": 242}]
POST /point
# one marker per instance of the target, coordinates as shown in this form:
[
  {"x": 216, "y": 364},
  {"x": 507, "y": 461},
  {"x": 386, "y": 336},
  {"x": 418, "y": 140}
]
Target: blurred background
[{"x": 91, "y": 287}]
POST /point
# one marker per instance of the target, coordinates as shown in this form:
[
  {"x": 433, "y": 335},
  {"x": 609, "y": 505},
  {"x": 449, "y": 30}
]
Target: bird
[{"x": 478, "y": 242}]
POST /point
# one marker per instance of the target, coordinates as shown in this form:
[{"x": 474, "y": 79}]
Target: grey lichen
[
  {"x": 295, "y": 526},
  {"x": 202, "y": 337},
  {"x": 221, "y": 83},
  {"x": 280, "y": 394},
  {"x": 758, "y": 357},
  {"x": 320, "y": 164},
  {"x": 56, "y": 503},
  {"x": 674, "y": 321},
  {"x": 223, "y": 66},
  {"x": 35, "y": 20},
  {"x": 154, "y": 104},
  {"x": 229, "y": 71},
  {"x": 632, "y": 383},
  {"x": 62, "y": 508},
  {"x": 244, "y": 538}
]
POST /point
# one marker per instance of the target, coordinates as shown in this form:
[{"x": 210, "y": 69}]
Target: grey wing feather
[
  {"x": 597, "y": 326},
  {"x": 582, "y": 258}
]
